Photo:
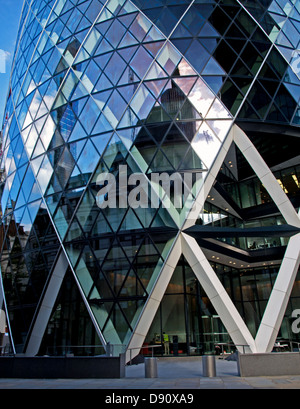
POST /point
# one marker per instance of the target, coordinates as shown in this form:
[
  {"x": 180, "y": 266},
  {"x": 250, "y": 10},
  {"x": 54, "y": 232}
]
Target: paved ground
[{"x": 173, "y": 374}]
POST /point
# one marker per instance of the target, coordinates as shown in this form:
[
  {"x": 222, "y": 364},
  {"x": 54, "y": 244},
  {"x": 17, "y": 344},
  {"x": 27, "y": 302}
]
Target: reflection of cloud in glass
[
  {"x": 220, "y": 127},
  {"x": 31, "y": 141},
  {"x": 185, "y": 68},
  {"x": 206, "y": 144},
  {"x": 45, "y": 174},
  {"x": 218, "y": 111},
  {"x": 48, "y": 132},
  {"x": 201, "y": 97}
]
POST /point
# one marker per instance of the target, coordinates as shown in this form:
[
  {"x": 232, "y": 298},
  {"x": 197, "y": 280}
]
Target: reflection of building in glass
[{"x": 203, "y": 89}]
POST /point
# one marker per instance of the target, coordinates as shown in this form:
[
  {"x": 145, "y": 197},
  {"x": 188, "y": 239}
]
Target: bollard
[
  {"x": 150, "y": 367},
  {"x": 209, "y": 366}
]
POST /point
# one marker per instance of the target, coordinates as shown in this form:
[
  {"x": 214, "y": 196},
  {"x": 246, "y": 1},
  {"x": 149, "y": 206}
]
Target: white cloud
[{"x": 4, "y": 56}]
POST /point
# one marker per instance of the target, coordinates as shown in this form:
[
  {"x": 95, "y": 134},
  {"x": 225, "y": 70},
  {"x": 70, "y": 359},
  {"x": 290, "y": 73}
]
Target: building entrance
[{"x": 187, "y": 317}]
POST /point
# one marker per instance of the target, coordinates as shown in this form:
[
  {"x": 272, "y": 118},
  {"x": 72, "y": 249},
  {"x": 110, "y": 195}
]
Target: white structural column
[
  {"x": 46, "y": 307},
  {"x": 279, "y": 298},
  {"x": 266, "y": 177},
  {"x": 158, "y": 290},
  {"x": 281, "y": 292},
  {"x": 217, "y": 294},
  {"x": 209, "y": 181}
]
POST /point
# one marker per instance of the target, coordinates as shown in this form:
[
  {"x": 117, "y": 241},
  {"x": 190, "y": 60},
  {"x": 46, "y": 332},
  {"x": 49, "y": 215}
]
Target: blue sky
[{"x": 9, "y": 23}]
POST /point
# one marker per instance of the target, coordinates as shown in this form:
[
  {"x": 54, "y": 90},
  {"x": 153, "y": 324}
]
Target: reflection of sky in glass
[
  {"x": 44, "y": 174},
  {"x": 9, "y": 20}
]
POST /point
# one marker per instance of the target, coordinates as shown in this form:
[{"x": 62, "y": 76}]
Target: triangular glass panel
[
  {"x": 213, "y": 68},
  {"x": 90, "y": 152},
  {"x": 101, "y": 291},
  {"x": 128, "y": 40},
  {"x": 129, "y": 76},
  {"x": 182, "y": 44},
  {"x": 119, "y": 323},
  {"x": 188, "y": 129},
  {"x": 141, "y": 68},
  {"x": 174, "y": 152},
  {"x": 206, "y": 145},
  {"x": 180, "y": 31},
  {"x": 191, "y": 162},
  {"x": 115, "y": 33},
  {"x": 52, "y": 202},
  {"x": 76, "y": 148},
  {"x": 89, "y": 115},
  {"x": 39, "y": 149},
  {"x": 160, "y": 164},
  {"x": 127, "y": 53},
  {"x": 35, "y": 193},
  {"x": 115, "y": 267},
  {"x": 65, "y": 167},
  {"x": 157, "y": 115},
  {"x": 102, "y": 125},
  {"x": 54, "y": 185},
  {"x": 74, "y": 232},
  {"x": 128, "y": 136},
  {"x": 103, "y": 83},
  {"x": 60, "y": 223},
  {"x": 154, "y": 48},
  {"x": 197, "y": 55},
  {"x": 169, "y": 58},
  {"x": 132, "y": 313},
  {"x": 100, "y": 226},
  {"x": 101, "y": 141},
  {"x": 79, "y": 92},
  {"x": 130, "y": 222},
  {"x": 126, "y": 19},
  {"x": 145, "y": 215},
  {"x": 114, "y": 109},
  {"x": 247, "y": 111},
  {"x": 156, "y": 72},
  {"x": 48, "y": 131},
  {"x": 156, "y": 86},
  {"x": 162, "y": 218},
  {"x": 77, "y": 133}
]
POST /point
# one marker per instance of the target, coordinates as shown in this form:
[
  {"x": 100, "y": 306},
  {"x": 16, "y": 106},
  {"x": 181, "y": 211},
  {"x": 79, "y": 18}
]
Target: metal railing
[
  {"x": 6, "y": 350},
  {"x": 117, "y": 349},
  {"x": 282, "y": 345},
  {"x": 69, "y": 350},
  {"x": 229, "y": 344},
  {"x": 294, "y": 342}
]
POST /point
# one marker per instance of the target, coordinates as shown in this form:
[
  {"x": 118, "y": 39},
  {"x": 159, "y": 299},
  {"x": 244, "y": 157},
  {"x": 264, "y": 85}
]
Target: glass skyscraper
[{"x": 195, "y": 101}]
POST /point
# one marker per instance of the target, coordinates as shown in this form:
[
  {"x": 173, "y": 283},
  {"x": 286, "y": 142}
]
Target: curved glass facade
[{"x": 139, "y": 135}]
